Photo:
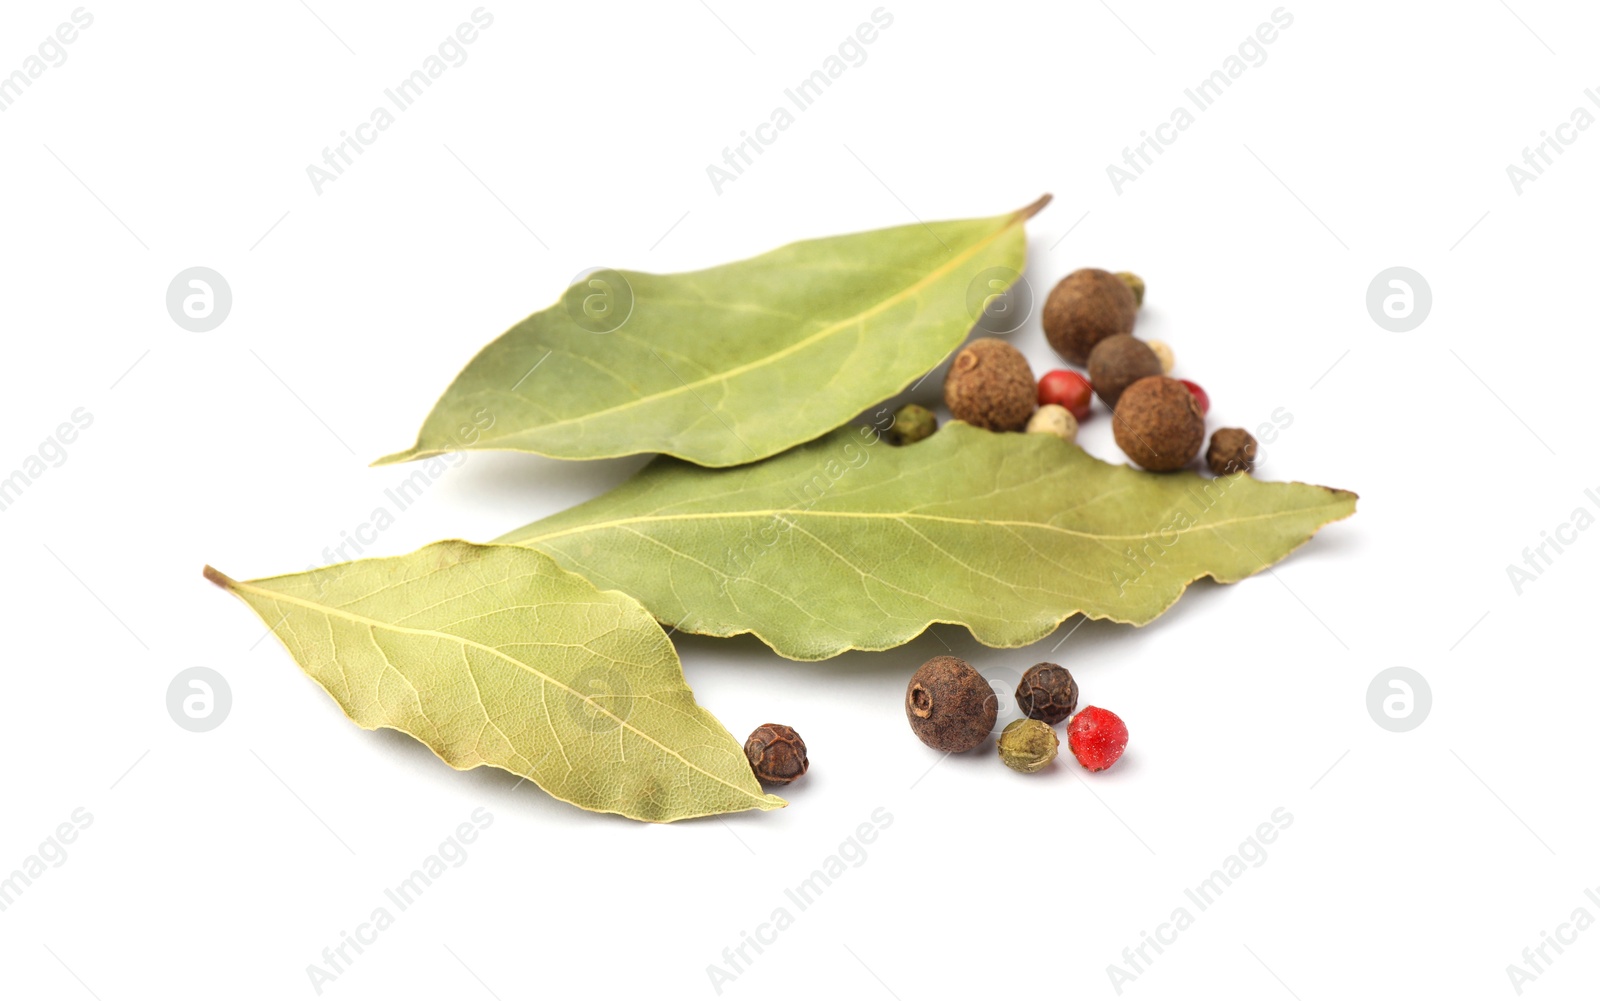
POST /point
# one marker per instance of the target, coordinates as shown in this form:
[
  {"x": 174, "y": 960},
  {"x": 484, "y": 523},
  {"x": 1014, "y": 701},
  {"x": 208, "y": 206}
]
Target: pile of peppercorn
[
  {"x": 1158, "y": 421},
  {"x": 952, "y": 708}
]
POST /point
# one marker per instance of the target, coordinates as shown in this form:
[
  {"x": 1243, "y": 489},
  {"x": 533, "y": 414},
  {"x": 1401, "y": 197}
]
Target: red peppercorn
[
  {"x": 1096, "y": 738},
  {"x": 1200, "y": 396},
  {"x": 1066, "y": 389}
]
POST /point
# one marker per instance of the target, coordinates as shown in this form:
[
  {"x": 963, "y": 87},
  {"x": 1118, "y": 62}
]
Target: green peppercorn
[
  {"x": 1135, "y": 285},
  {"x": 1027, "y": 745},
  {"x": 912, "y": 424}
]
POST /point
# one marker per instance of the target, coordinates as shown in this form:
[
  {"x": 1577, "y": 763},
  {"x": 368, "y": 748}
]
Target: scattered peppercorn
[
  {"x": 777, "y": 754},
  {"x": 1200, "y": 396},
  {"x": 912, "y": 423},
  {"x": 1027, "y": 745},
  {"x": 1233, "y": 450},
  {"x": 1047, "y": 692},
  {"x": 1135, "y": 285},
  {"x": 1066, "y": 389},
  {"x": 1118, "y": 362},
  {"x": 1097, "y": 738},
  {"x": 950, "y": 706},
  {"x": 1158, "y": 424},
  {"x": 1084, "y": 309},
  {"x": 1163, "y": 351},
  {"x": 990, "y": 386},
  {"x": 1054, "y": 419}
]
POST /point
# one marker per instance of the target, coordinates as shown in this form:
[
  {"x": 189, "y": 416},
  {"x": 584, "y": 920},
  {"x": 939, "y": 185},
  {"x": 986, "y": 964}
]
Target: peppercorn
[
  {"x": 1200, "y": 395},
  {"x": 990, "y": 386},
  {"x": 950, "y": 706},
  {"x": 1084, "y": 309},
  {"x": 1027, "y": 745},
  {"x": 1118, "y": 362},
  {"x": 1158, "y": 424},
  {"x": 1066, "y": 389},
  {"x": 912, "y": 424},
  {"x": 1233, "y": 450},
  {"x": 1135, "y": 285},
  {"x": 1047, "y": 692},
  {"x": 1097, "y": 738},
  {"x": 1054, "y": 419},
  {"x": 776, "y": 753},
  {"x": 1163, "y": 351}
]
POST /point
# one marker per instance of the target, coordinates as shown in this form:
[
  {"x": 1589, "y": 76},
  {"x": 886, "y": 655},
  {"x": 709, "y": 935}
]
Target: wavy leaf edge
[{"x": 1337, "y": 499}]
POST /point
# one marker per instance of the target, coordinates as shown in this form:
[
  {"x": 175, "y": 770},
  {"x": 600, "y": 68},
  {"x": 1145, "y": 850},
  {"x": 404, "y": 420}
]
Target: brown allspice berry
[
  {"x": 1047, "y": 692},
  {"x": 951, "y": 707},
  {"x": 776, "y": 753},
  {"x": 1233, "y": 450},
  {"x": 1118, "y": 362},
  {"x": 1084, "y": 309},
  {"x": 990, "y": 386},
  {"x": 1158, "y": 424}
]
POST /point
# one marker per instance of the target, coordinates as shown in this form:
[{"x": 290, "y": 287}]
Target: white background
[{"x": 1374, "y": 135}]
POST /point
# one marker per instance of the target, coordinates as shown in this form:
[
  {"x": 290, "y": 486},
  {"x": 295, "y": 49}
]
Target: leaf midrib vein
[
  {"x": 794, "y": 348},
  {"x": 434, "y": 634},
  {"x": 885, "y": 516}
]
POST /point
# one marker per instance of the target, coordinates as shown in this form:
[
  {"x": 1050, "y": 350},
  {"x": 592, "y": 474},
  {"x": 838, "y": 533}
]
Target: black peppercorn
[
  {"x": 777, "y": 754},
  {"x": 1047, "y": 692},
  {"x": 950, "y": 706},
  {"x": 1233, "y": 450}
]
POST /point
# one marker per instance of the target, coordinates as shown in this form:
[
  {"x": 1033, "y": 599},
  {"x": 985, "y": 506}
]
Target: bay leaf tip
[
  {"x": 1033, "y": 209},
  {"x": 395, "y": 458}
]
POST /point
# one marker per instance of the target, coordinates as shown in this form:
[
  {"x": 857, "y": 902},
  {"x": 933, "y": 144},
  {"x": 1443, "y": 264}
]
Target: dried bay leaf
[
  {"x": 733, "y": 363},
  {"x": 850, "y": 544},
  {"x": 493, "y": 655}
]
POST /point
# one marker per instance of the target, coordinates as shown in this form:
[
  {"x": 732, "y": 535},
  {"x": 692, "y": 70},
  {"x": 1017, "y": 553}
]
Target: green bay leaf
[
  {"x": 851, "y": 544},
  {"x": 493, "y": 655},
  {"x": 733, "y": 363}
]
